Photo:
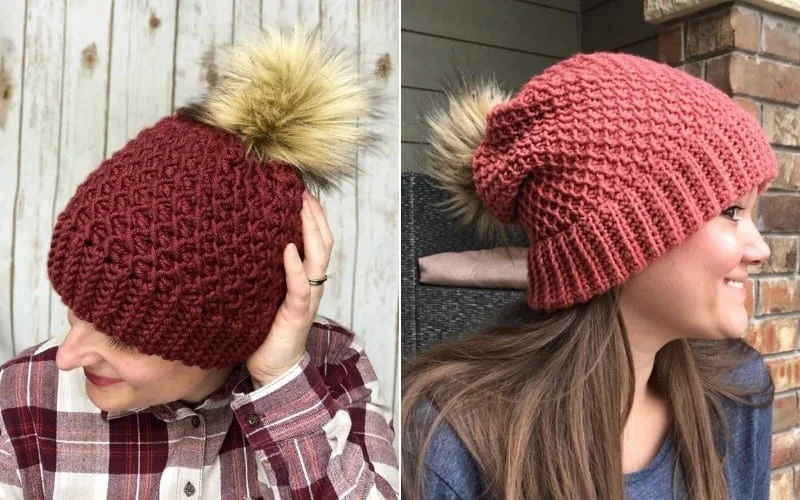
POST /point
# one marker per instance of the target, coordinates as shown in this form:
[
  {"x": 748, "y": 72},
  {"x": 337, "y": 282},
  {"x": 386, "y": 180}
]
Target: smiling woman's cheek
[
  {"x": 720, "y": 245},
  {"x": 713, "y": 254},
  {"x": 684, "y": 291}
]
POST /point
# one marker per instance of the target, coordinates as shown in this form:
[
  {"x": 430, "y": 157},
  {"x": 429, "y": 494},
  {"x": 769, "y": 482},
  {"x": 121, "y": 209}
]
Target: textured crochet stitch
[
  {"x": 174, "y": 244},
  {"x": 610, "y": 160}
]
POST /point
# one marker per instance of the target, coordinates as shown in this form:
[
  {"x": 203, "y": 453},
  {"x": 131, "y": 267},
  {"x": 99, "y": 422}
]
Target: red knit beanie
[
  {"x": 174, "y": 245},
  {"x": 607, "y": 161}
]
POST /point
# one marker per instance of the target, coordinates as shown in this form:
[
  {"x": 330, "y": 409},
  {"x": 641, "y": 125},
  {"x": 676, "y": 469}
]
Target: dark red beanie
[{"x": 174, "y": 245}]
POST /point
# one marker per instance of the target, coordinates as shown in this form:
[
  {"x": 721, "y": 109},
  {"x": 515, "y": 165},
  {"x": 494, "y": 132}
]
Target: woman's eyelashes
[
  {"x": 116, "y": 344},
  {"x": 732, "y": 212}
]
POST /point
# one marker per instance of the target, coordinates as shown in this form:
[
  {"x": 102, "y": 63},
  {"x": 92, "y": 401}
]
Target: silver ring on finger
[{"x": 318, "y": 281}]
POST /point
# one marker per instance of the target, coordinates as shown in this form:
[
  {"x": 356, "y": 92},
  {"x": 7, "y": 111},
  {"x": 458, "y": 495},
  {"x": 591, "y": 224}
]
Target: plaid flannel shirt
[{"x": 319, "y": 431}]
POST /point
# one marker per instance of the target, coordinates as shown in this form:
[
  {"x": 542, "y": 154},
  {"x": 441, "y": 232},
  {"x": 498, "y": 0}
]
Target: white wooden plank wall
[{"x": 79, "y": 78}]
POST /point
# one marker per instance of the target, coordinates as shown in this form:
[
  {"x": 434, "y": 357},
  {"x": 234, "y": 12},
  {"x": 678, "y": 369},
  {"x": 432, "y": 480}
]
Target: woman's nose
[
  {"x": 757, "y": 251},
  {"x": 76, "y": 350}
]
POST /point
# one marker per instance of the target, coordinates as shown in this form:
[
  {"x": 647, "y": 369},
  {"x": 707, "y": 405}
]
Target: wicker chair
[{"x": 430, "y": 314}]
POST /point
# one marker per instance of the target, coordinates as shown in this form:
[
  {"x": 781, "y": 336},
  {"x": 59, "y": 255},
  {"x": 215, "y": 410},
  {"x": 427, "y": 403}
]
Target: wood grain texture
[
  {"x": 142, "y": 52},
  {"x": 202, "y": 30},
  {"x": 340, "y": 23},
  {"x": 12, "y": 42},
  {"x": 246, "y": 20},
  {"x": 83, "y": 112},
  {"x": 38, "y": 169},
  {"x": 290, "y": 13},
  {"x": 376, "y": 293}
]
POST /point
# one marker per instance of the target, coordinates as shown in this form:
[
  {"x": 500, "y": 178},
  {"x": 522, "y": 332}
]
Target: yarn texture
[
  {"x": 608, "y": 161},
  {"x": 174, "y": 245}
]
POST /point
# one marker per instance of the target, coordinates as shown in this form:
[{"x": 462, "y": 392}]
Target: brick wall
[{"x": 754, "y": 56}]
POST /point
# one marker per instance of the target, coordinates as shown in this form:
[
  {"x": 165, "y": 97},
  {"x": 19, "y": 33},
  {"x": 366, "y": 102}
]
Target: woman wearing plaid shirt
[{"x": 163, "y": 386}]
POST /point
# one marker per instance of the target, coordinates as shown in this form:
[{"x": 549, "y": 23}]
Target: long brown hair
[{"x": 569, "y": 372}]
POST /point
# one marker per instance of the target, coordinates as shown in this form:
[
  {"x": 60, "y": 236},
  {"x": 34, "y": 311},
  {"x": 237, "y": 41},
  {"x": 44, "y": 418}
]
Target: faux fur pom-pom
[
  {"x": 456, "y": 131},
  {"x": 293, "y": 98}
]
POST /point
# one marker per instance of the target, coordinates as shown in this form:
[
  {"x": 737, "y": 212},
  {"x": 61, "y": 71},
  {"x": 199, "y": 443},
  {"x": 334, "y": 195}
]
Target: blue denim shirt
[{"x": 453, "y": 474}]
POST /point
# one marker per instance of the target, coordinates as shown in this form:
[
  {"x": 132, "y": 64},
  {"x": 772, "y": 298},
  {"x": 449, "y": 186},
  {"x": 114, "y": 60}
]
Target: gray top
[{"x": 452, "y": 473}]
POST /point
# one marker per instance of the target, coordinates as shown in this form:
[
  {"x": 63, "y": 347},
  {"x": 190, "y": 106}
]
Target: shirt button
[
  {"x": 188, "y": 489},
  {"x": 195, "y": 422},
  {"x": 252, "y": 419}
]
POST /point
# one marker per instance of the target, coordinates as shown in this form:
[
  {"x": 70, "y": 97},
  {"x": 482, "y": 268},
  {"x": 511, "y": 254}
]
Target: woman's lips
[
  {"x": 98, "y": 380},
  {"x": 739, "y": 288}
]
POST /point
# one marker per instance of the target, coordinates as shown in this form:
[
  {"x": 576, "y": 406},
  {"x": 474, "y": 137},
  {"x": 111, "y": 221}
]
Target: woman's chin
[
  {"x": 735, "y": 325},
  {"x": 106, "y": 403}
]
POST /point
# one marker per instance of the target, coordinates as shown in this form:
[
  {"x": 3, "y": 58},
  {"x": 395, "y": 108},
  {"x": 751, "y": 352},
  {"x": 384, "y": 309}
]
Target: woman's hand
[{"x": 286, "y": 341}]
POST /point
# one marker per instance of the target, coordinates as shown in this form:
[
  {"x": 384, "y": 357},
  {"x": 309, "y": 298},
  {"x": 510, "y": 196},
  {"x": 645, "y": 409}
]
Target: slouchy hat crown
[
  {"x": 607, "y": 161},
  {"x": 174, "y": 245}
]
